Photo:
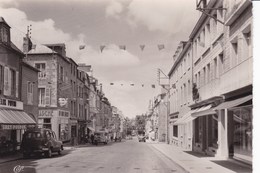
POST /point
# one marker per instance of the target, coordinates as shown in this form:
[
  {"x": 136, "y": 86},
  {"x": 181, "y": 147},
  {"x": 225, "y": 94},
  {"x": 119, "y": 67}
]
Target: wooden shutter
[
  {"x": 7, "y": 82},
  {"x": 48, "y": 96},
  {"x": 17, "y": 84}
]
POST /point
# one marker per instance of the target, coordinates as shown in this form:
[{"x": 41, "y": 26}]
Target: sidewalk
[
  {"x": 12, "y": 157},
  {"x": 193, "y": 163}
]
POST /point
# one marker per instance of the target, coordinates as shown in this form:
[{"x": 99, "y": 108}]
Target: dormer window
[
  {"x": 4, "y": 31},
  {"x": 4, "y": 34}
]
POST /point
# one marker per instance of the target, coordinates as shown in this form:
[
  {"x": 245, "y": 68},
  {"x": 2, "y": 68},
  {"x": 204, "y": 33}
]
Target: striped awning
[
  {"x": 14, "y": 117},
  {"x": 233, "y": 103},
  {"x": 204, "y": 110}
]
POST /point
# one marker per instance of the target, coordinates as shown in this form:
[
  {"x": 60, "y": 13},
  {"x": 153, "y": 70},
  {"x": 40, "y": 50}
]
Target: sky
[{"x": 94, "y": 23}]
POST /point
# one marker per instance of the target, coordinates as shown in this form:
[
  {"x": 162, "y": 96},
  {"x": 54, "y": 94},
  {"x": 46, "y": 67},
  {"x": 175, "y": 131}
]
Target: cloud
[
  {"x": 114, "y": 9},
  {"x": 168, "y": 15}
]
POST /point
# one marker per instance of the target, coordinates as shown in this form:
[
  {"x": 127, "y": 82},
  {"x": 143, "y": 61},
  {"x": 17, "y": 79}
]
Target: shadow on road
[{"x": 28, "y": 165}]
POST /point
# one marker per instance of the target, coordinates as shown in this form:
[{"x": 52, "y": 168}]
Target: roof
[
  {"x": 30, "y": 66},
  {"x": 41, "y": 49},
  {"x": 185, "y": 48}
]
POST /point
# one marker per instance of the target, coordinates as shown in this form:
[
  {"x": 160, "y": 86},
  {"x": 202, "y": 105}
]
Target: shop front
[
  {"x": 237, "y": 112},
  {"x": 206, "y": 132},
  {"x": 13, "y": 123}
]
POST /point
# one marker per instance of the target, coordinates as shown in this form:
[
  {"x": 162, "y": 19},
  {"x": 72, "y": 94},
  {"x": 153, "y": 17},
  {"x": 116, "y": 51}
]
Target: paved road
[{"x": 122, "y": 157}]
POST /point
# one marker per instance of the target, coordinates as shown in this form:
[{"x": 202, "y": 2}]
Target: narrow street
[{"x": 122, "y": 157}]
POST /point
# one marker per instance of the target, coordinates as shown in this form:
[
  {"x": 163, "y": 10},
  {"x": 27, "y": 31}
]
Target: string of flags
[
  {"x": 132, "y": 84},
  {"x": 123, "y": 47}
]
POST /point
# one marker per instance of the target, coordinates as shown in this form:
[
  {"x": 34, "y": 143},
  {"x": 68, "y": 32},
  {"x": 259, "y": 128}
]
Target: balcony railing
[{"x": 42, "y": 75}]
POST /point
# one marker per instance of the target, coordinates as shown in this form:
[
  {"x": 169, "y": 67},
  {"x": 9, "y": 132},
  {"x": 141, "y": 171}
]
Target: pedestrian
[{"x": 92, "y": 138}]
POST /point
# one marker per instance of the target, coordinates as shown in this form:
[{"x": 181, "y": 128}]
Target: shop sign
[
  {"x": 45, "y": 113},
  {"x": 73, "y": 122},
  {"x": 7, "y": 103},
  {"x": 12, "y": 127},
  {"x": 64, "y": 114}
]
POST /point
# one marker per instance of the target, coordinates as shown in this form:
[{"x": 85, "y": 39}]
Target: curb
[{"x": 14, "y": 159}]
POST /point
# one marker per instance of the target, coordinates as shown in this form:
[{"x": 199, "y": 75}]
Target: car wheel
[
  {"x": 48, "y": 153},
  {"x": 59, "y": 152}
]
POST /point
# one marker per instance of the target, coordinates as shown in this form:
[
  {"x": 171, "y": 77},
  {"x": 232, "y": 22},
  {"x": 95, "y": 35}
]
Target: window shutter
[
  {"x": 17, "y": 84},
  {"x": 47, "y": 96},
  {"x": 7, "y": 82}
]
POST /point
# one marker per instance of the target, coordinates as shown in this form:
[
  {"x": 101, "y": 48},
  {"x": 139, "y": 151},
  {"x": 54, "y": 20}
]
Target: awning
[
  {"x": 233, "y": 103},
  {"x": 13, "y": 119},
  {"x": 186, "y": 118},
  {"x": 204, "y": 110}
]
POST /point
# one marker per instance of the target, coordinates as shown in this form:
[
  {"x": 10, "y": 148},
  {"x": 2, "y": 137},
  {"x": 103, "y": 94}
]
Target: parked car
[
  {"x": 141, "y": 138},
  {"x": 40, "y": 141},
  {"x": 100, "y": 137}
]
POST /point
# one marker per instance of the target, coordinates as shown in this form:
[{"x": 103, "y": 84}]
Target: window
[
  {"x": 41, "y": 96},
  {"x": 175, "y": 131},
  {"x": 4, "y": 35},
  {"x": 204, "y": 76},
  {"x": 29, "y": 93},
  {"x": 185, "y": 93},
  {"x": 41, "y": 67},
  {"x": 221, "y": 63},
  {"x": 189, "y": 87},
  {"x": 199, "y": 79},
  {"x": 215, "y": 68},
  {"x": 234, "y": 53},
  {"x": 247, "y": 40},
  {"x": 208, "y": 73},
  {"x": 61, "y": 73}
]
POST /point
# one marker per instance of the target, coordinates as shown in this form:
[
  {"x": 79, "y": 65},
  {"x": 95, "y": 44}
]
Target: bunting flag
[
  {"x": 111, "y": 83},
  {"x": 142, "y": 85},
  {"x": 132, "y": 84},
  {"x": 122, "y": 47},
  {"x": 142, "y": 47},
  {"x": 160, "y": 46},
  {"x": 102, "y": 48},
  {"x": 81, "y": 47},
  {"x": 122, "y": 84},
  {"x": 153, "y": 86}
]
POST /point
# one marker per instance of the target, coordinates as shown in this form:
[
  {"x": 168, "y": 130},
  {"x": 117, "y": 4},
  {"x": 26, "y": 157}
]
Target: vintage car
[
  {"x": 100, "y": 137},
  {"x": 40, "y": 141}
]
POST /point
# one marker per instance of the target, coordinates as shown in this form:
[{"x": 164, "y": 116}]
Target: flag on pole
[
  {"x": 81, "y": 47},
  {"x": 142, "y": 47},
  {"x": 161, "y": 46},
  {"x": 102, "y": 48},
  {"x": 122, "y": 47},
  {"x": 153, "y": 86}
]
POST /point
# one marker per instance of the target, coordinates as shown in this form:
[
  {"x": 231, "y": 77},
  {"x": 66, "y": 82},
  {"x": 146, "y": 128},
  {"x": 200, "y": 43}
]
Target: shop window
[{"x": 242, "y": 118}]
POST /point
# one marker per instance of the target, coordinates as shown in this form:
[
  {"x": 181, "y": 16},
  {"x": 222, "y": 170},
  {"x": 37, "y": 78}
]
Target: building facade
[
  {"x": 180, "y": 96},
  {"x": 13, "y": 119}
]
